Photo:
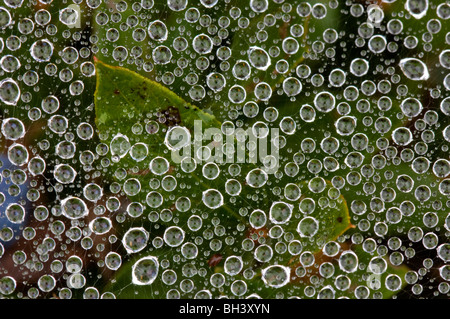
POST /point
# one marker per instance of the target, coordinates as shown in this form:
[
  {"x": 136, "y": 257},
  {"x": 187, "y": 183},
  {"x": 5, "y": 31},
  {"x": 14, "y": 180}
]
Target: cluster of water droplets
[{"x": 359, "y": 206}]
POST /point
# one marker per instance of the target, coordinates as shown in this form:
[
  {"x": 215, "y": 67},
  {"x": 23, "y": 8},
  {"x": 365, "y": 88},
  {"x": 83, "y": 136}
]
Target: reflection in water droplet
[{"x": 145, "y": 271}]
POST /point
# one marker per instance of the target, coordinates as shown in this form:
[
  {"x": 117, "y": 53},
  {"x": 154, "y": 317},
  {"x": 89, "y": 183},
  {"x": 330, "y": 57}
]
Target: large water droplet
[{"x": 414, "y": 69}]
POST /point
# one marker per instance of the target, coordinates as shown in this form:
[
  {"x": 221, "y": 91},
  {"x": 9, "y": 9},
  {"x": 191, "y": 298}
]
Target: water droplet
[
  {"x": 417, "y": 8},
  {"x": 145, "y": 271},
  {"x": 259, "y": 58},
  {"x": 414, "y": 69},
  {"x": 74, "y": 207},
  {"x": 348, "y": 261},
  {"x": 308, "y": 227},
  {"x": 157, "y": 30},
  {"x": 233, "y": 265},
  {"x": 212, "y": 198},
  {"x": 174, "y": 236},
  {"x": 9, "y": 91}
]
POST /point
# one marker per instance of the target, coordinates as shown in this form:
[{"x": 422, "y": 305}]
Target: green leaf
[{"x": 124, "y": 99}]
